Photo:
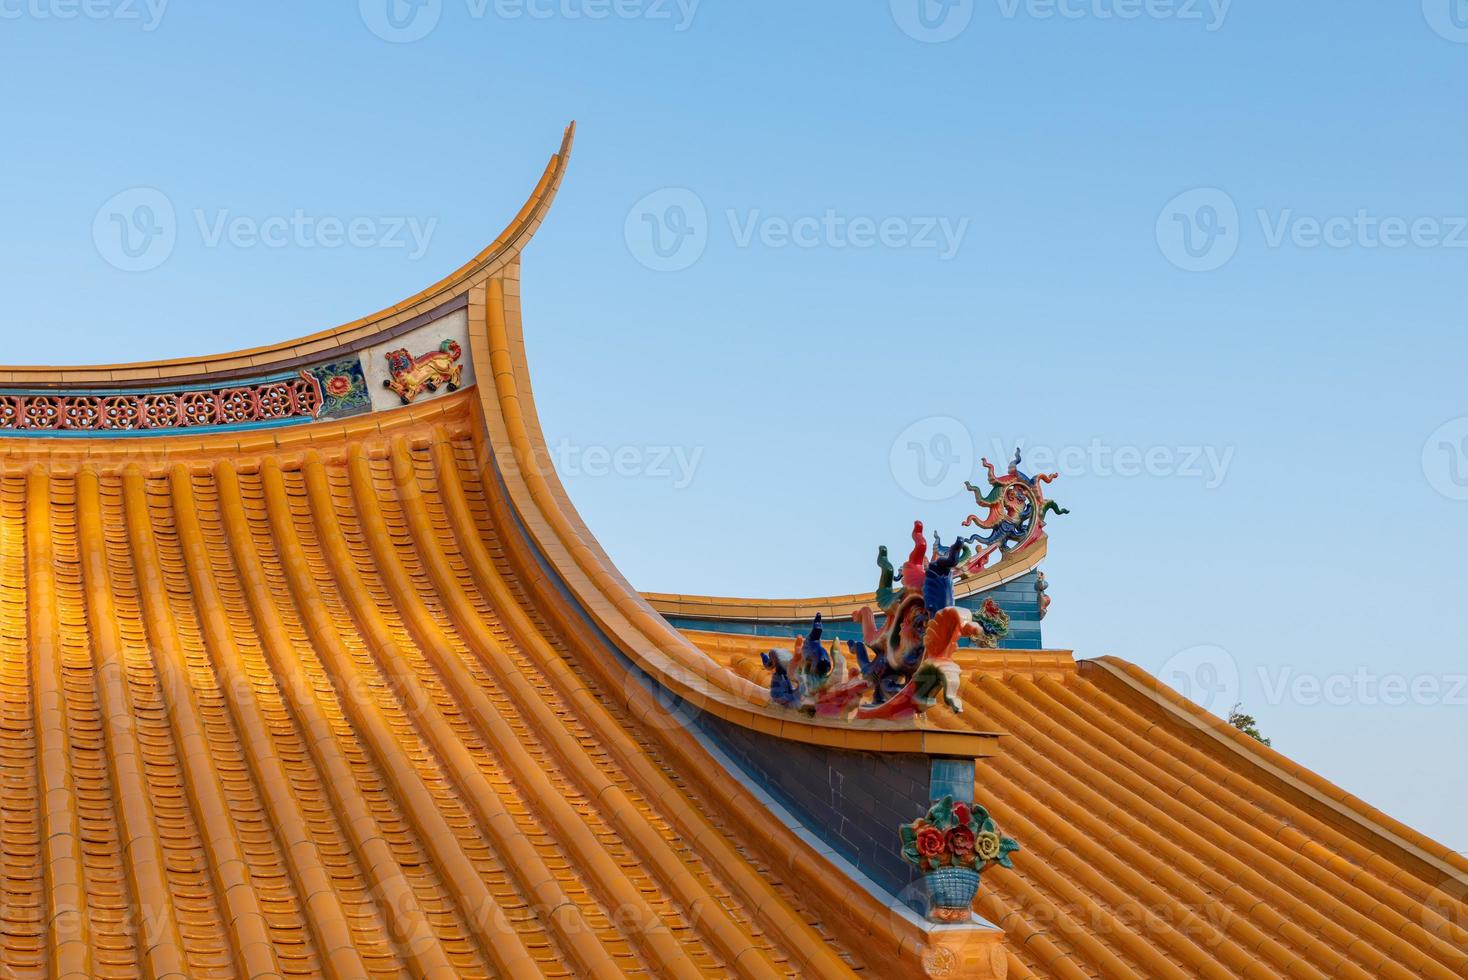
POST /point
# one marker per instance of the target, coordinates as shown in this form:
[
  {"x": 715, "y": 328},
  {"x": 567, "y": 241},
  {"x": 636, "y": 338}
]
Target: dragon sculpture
[
  {"x": 1017, "y": 509},
  {"x": 905, "y": 662}
]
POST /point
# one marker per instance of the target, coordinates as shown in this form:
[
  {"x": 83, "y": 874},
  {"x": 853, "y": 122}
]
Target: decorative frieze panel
[
  {"x": 280, "y": 399},
  {"x": 428, "y": 362}
]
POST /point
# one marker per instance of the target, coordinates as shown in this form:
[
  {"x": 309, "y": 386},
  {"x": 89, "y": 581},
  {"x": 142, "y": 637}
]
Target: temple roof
[
  {"x": 309, "y": 666},
  {"x": 281, "y": 706},
  {"x": 1162, "y": 842}
]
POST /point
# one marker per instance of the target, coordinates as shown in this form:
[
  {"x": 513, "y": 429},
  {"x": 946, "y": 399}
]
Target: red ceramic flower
[
  {"x": 930, "y": 842},
  {"x": 338, "y": 385},
  {"x": 961, "y": 842},
  {"x": 962, "y": 812}
]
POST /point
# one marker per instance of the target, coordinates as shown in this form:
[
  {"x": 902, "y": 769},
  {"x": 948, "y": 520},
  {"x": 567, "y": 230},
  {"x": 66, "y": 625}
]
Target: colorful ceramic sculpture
[
  {"x": 906, "y": 663},
  {"x": 809, "y": 677},
  {"x": 411, "y": 375},
  {"x": 952, "y": 846},
  {"x": 1016, "y": 508}
]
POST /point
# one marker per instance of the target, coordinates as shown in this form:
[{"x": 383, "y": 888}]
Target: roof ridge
[{"x": 1294, "y": 775}]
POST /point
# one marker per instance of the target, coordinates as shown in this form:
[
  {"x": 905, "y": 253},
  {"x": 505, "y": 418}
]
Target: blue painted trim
[
  {"x": 1021, "y": 636},
  {"x": 193, "y": 430},
  {"x": 953, "y": 777}
]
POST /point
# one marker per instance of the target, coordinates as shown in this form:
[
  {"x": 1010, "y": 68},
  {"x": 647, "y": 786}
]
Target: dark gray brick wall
[{"x": 854, "y": 801}]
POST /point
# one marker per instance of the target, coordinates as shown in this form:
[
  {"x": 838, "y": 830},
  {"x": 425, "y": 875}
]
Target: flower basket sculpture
[{"x": 952, "y": 846}]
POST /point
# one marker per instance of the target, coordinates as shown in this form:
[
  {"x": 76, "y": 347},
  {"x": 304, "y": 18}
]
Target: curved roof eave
[{"x": 356, "y": 335}]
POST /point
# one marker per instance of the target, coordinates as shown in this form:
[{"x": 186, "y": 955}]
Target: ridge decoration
[
  {"x": 904, "y": 662},
  {"x": 410, "y": 376}
]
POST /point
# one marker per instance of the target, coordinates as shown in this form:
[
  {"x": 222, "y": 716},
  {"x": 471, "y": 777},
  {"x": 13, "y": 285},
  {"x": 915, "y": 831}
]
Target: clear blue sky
[{"x": 1109, "y": 293}]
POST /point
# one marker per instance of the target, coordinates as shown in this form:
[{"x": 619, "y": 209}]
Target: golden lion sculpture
[{"x": 412, "y": 375}]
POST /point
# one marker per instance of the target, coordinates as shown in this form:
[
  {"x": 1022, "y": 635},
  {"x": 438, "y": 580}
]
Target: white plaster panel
[{"x": 425, "y": 340}]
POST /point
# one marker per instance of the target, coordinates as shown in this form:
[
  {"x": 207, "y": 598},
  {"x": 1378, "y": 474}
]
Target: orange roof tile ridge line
[
  {"x": 1292, "y": 774},
  {"x": 537, "y": 880},
  {"x": 495, "y": 258},
  {"x": 827, "y": 884},
  {"x": 759, "y": 894}
]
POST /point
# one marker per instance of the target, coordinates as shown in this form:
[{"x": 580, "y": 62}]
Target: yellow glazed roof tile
[
  {"x": 291, "y": 713},
  {"x": 1160, "y": 841}
]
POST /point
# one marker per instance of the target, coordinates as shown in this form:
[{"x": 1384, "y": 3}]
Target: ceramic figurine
[
  {"x": 1017, "y": 509},
  {"x": 412, "y": 375},
  {"x": 952, "y": 846}
]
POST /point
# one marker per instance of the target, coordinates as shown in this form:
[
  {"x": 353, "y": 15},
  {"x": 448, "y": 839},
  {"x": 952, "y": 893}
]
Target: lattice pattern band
[{"x": 287, "y": 398}]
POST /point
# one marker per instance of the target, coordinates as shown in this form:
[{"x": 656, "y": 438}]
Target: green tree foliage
[{"x": 1245, "y": 723}]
